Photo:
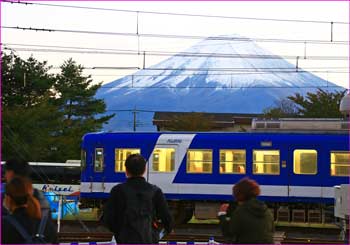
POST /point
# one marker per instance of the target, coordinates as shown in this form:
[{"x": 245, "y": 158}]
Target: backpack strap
[
  {"x": 42, "y": 225},
  {"x": 22, "y": 231}
]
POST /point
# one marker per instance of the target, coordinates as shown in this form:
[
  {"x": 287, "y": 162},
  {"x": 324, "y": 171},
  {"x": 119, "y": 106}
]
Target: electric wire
[
  {"x": 87, "y": 50},
  {"x": 157, "y": 35},
  {"x": 178, "y": 14}
]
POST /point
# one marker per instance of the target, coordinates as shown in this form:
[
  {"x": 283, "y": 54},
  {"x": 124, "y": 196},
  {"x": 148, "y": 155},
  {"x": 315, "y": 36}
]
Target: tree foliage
[
  {"x": 24, "y": 82},
  {"x": 282, "y": 108},
  {"x": 78, "y": 105},
  {"x": 45, "y": 115},
  {"x": 321, "y": 104}
]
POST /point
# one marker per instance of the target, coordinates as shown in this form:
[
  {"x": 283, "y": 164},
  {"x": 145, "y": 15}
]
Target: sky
[{"x": 79, "y": 19}]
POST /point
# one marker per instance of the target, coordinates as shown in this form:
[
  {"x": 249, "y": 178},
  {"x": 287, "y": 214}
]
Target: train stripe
[{"x": 223, "y": 189}]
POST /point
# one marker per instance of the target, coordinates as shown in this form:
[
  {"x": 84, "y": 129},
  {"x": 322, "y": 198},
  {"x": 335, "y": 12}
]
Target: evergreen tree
[
  {"x": 29, "y": 121},
  {"x": 24, "y": 82},
  {"x": 79, "y": 107}
]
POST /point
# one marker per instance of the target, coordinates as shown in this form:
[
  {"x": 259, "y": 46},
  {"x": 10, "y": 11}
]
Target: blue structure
[{"x": 69, "y": 204}]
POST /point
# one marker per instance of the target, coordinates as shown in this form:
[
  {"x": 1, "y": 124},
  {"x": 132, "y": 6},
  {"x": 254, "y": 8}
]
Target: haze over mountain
[{"x": 211, "y": 76}]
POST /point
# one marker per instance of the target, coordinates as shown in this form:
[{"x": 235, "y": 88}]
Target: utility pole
[{"x": 134, "y": 121}]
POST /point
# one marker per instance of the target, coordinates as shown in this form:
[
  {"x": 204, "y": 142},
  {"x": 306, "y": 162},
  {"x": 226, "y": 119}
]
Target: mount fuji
[{"x": 222, "y": 76}]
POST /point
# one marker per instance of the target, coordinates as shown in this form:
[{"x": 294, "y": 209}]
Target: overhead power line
[
  {"x": 179, "y": 14},
  {"x": 87, "y": 50},
  {"x": 155, "y": 35},
  {"x": 218, "y": 87},
  {"x": 216, "y": 74}
]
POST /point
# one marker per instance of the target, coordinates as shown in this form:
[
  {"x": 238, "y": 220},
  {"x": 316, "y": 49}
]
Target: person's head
[
  {"x": 245, "y": 190},
  {"x": 16, "y": 167},
  {"x": 135, "y": 165},
  {"x": 19, "y": 193},
  {"x": 16, "y": 193}
]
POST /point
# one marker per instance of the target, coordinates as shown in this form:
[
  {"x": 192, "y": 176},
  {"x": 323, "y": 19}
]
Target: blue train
[{"x": 197, "y": 170}]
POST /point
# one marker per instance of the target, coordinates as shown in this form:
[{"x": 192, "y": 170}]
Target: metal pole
[
  {"x": 134, "y": 124},
  {"x": 144, "y": 59},
  {"x": 297, "y": 65},
  {"x": 59, "y": 213},
  {"x": 332, "y": 31}
]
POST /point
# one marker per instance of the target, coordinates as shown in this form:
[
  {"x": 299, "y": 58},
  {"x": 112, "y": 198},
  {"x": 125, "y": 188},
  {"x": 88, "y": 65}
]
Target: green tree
[
  {"x": 321, "y": 104},
  {"x": 282, "y": 108},
  {"x": 24, "y": 82},
  {"x": 190, "y": 122},
  {"x": 80, "y": 109},
  {"x": 29, "y": 121}
]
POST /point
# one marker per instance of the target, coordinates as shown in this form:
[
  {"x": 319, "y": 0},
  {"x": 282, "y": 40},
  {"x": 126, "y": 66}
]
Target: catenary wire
[
  {"x": 67, "y": 49},
  {"x": 178, "y": 14},
  {"x": 157, "y": 35}
]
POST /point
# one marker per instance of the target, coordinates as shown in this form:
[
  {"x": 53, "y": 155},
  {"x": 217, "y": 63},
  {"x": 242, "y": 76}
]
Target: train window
[
  {"x": 98, "y": 166},
  {"x": 83, "y": 159},
  {"x": 232, "y": 161},
  {"x": 305, "y": 161},
  {"x": 199, "y": 161},
  {"x": 121, "y": 155},
  {"x": 266, "y": 162},
  {"x": 163, "y": 159},
  {"x": 340, "y": 163}
]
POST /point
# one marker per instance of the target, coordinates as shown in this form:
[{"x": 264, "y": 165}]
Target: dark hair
[
  {"x": 135, "y": 164},
  {"x": 246, "y": 189},
  {"x": 17, "y": 190},
  {"x": 19, "y": 166}
]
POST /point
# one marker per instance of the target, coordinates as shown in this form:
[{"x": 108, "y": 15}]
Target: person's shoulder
[
  {"x": 118, "y": 187},
  {"x": 157, "y": 191}
]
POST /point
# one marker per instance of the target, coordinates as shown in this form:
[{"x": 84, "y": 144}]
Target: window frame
[
  {"x": 123, "y": 160},
  {"x": 245, "y": 161},
  {"x": 330, "y": 163},
  {"x": 152, "y": 157},
  {"x": 187, "y": 162},
  {"x": 103, "y": 160},
  {"x": 279, "y": 162},
  {"x": 316, "y": 169}
]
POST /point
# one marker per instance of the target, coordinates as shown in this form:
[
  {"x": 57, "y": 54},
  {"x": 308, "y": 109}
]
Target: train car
[
  {"x": 57, "y": 180},
  {"x": 196, "y": 170}
]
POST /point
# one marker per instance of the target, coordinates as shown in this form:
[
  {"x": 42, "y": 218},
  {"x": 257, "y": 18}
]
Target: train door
[
  {"x": 161, "y": 166},
  {"x": 98, "y": 167},
  {"x": 165, "y": 160}
]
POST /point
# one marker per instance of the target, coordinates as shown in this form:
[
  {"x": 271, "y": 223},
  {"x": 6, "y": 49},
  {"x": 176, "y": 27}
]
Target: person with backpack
[
  {"x": 20, "y": 226},
  {"x": 136, "y": 208}
]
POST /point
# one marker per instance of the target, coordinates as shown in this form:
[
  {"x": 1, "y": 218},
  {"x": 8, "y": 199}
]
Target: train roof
[{"x": 224, "y": 133}]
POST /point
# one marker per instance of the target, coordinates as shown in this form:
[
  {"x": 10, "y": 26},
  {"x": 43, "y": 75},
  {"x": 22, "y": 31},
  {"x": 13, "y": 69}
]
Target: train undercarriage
[{"x": 184, "y": 211}]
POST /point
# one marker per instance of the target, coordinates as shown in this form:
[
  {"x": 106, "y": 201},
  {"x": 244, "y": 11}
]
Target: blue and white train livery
[{"x": 196, "y": 167}]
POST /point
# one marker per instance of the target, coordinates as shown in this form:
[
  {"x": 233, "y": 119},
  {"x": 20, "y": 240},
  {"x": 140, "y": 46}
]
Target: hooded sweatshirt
[{"x": 250, "y": 222}]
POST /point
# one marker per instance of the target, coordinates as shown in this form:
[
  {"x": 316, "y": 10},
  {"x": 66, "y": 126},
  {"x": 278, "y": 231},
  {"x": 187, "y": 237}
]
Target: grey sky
[{"x": 96, "y": 20}]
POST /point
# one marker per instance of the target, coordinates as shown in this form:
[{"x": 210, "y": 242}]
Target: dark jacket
[
  {"x": 250, "y": 222},
  {"x": 11, "y": 236},
  {"x": 115, "y": 207}
]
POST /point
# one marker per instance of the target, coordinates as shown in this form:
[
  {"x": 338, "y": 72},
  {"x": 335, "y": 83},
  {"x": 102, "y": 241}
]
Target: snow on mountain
[{"x": 208, "y": 82}]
